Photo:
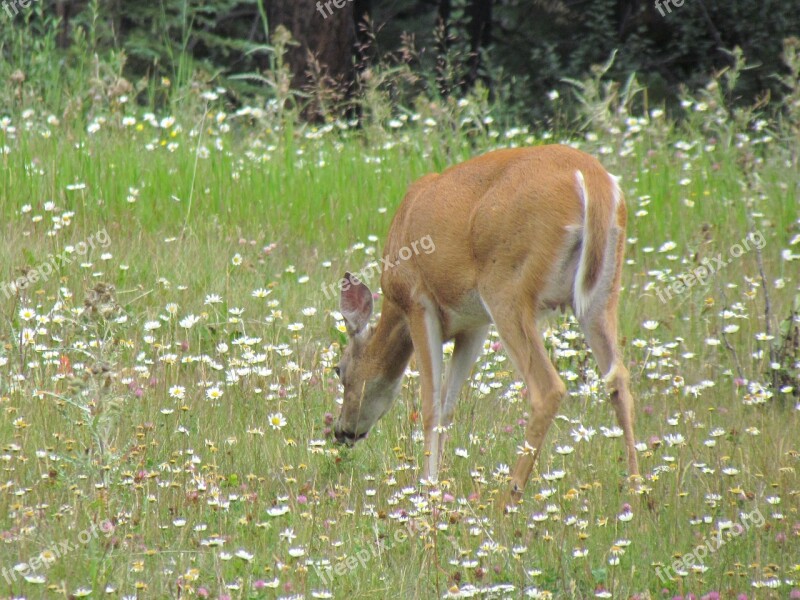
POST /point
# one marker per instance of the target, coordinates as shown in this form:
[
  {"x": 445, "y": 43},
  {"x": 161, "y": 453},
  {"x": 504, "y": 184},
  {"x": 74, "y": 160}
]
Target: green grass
[{"x": 90, "y": 433}]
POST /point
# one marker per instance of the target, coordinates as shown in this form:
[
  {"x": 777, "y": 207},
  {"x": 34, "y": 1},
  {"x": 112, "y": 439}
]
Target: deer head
[{"x": 368, "y": 390}]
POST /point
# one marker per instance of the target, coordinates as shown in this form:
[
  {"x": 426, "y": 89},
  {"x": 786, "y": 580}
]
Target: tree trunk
[
  {"x": 362, "y": 15},
  {"x": 480, "y": 36},
  {"x": 443, "y": 46},
  {"x": 326, "y": 36},
  {"x": 628, "y": 12}
]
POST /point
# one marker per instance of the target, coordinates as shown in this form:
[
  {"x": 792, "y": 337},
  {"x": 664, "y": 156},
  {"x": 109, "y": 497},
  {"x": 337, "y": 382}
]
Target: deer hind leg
[
  {"x": 600, "y": 330},
  {"x": 545, "y": 388},
  {"x": 468, "y": 346},
  {"x": 599, "y": 325},
  {"x": 426, "y": 335}
]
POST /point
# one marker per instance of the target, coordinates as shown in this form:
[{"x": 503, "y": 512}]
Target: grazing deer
[{"x": 517, "y": 232}]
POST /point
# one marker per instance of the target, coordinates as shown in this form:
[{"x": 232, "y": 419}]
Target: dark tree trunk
[
  {"x": 362, "y": 11},
  {"x": 628, "y": 16},
  {"x": 64, "y": 10},
  {"x": 443, "y": 46},
  {"x": 365, "y": 36},
  {"x": 480, "y": 36},
  {"x": 364, "y": 51},
  {"x": 324, "y": 31}
]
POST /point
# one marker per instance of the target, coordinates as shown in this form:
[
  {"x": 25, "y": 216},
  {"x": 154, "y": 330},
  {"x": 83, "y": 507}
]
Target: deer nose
[
  {"x": 342, "y": 437},
  {"x": 346, "y": 437},
  {"x": 338, "y": 433}
]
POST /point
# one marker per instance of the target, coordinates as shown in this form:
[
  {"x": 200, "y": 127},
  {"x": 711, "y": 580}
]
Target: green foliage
[
  {"x": 557, "y": 40},
  {"x": 172, "y": 47}
]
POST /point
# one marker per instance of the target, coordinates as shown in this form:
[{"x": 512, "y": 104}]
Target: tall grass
[{"x": 200, "y": 496}]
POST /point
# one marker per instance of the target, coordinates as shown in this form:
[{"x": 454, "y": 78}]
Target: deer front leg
[
  {"x": 426, "y": 334},
  {"x": 468, "y": 346}
]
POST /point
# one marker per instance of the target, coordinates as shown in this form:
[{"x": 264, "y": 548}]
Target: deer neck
[{"x": 390, "y": 347}]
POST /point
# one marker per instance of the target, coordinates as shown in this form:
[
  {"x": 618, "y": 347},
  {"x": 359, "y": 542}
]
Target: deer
[{"x": 518, "y": 234}]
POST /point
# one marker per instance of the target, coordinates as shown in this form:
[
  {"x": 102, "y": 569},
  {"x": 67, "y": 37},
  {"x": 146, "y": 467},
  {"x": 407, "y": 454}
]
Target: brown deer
[{"x": 517, "y": 232}]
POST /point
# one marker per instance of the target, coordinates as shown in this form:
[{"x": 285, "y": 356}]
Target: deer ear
[{"x": 355, "y": 304}]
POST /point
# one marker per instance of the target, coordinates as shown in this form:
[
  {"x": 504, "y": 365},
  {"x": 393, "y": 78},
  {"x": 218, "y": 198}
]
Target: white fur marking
[
  {"x": 580, "y": 293},
  {"x": 583, "y": 297},
  {"x": 434, "y": 330},
  {"x": 581, "y": 189},
  {"x": 616, "y": 192},
  {"x": 486, "y": 308}
]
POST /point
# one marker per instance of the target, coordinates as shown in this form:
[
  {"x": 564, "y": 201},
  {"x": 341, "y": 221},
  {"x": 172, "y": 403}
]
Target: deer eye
[{"x": 337, "y": 371}]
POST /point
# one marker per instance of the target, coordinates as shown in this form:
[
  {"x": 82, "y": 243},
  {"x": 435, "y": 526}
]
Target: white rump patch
[
  {"x": 581, "y": 295},
  {"x": 582, "y": 191},
  {"x": 616, "y": 191},
  {"x": 583, "y": 298}
]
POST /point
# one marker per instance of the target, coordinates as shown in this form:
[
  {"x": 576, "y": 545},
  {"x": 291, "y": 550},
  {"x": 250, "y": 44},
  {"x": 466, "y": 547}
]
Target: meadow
[{"x": 169, "y": 338}]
